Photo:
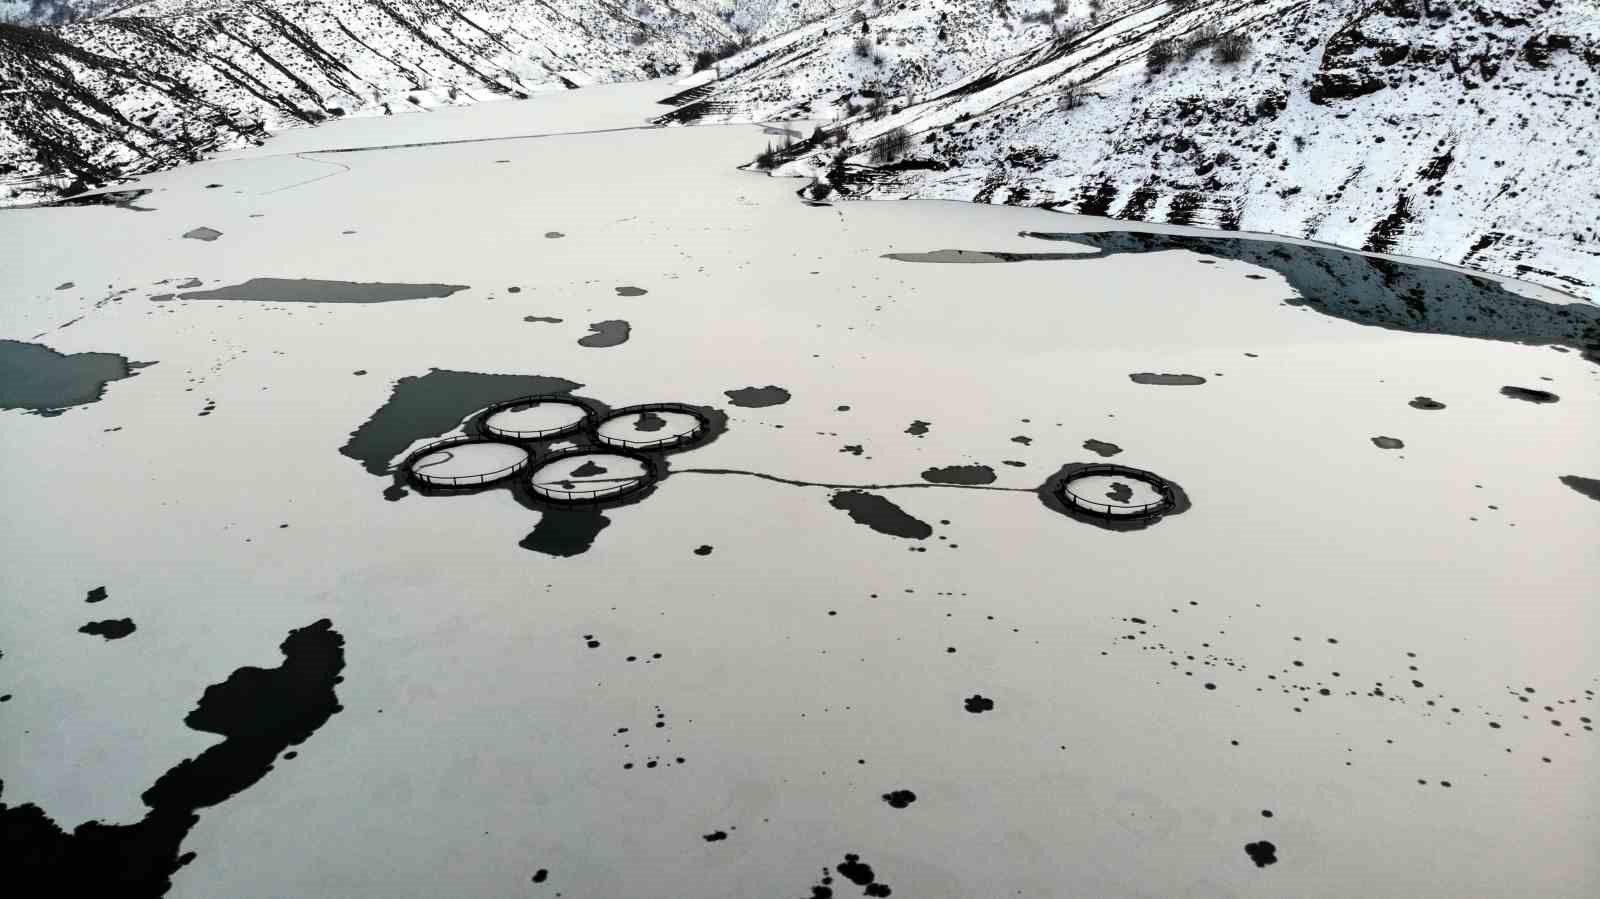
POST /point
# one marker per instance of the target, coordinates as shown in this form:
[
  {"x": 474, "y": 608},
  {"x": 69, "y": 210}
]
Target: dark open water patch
[
  {"x": 1529, "y": 394},
  {"x": 608, "y": 333},
  {"x": 1426, "y": 403},
  {"x": 626, "y": 291},
  {"x": 1119, "y": 492},
  {"x": 565, "y": 532},
  {"x": 432, "y": 405},
  {"x": 1366, "y": 290},
  {"x": 259, "y": 712},
  {"x": 649, "y": 421},
  {"x": 880, "y": 514},
  {"x": 314, "y": 290},
  {"x": 122, "y": 199},
  {"x": 111, "y": 628},
  {"x": 758, "y": 397},
  {"x": 967, "y": 475},
  {"x": 1146, "y": 377},
  {"x": 1101, "y": 448},
  {"x": 1589, "y": 487},
  {"x": 45, "y": 382},
  {"x": 1262, "y": 853},
  {"x": 899, "y": 798},
  {"x": 1388, "y": 443}
]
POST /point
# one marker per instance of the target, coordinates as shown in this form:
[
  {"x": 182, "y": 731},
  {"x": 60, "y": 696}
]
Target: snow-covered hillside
[
  {"x": 169, "y": 80},
  {"x": 1458, "y": 130},
  {"x": 831, "y": 67}
]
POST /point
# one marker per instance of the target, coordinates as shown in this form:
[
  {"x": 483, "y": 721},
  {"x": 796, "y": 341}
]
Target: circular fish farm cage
[
  {"x": 653, "y": 426},
  {"x": 536, "y": 418},
  {"x": 592, "y": 475},
  {"x": 1117, "y": 492},
  {"x": 465, "y": 462}
]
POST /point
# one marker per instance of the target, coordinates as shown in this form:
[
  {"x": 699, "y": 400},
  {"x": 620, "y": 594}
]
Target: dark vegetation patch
[
  {"x": 977, "y": 704},
  {"x": 96, "y": 595},
  {"x": 1426, "y": 403}
]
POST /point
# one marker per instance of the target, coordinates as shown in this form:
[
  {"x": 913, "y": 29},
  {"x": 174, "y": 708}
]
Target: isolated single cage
[{"x": 1159, "y": 496}]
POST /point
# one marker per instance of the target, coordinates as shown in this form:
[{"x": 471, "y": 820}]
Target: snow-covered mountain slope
[
  {"x": 759, "y": 20},
  {"x": 829, "y": 67},
  {"x": 165, "y": 81},
  {"x": 1457, "y": 130}
]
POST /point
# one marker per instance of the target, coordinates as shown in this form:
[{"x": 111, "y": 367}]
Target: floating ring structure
[
  {"x": 537, "y": 418},
  {"x": 464, "y": 463},
  {"x": 1159, "y": 496},
  {"x": 653, "y": 426},
  {"x": 592, "y": 475}
]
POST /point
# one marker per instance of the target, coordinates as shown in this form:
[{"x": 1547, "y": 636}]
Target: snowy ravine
[
  {"x": 165, "y": 82},
  {"x": 1457, "y": 130}
]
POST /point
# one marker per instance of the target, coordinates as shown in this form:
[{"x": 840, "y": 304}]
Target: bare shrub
[
  {"x": 1069, "y": 96},
  {"x": 1160, "y": 55},
  {"x": 863, "y": 47},
  {"x": 1231, "y": 48},
  {"x": 891, "y": 146}
]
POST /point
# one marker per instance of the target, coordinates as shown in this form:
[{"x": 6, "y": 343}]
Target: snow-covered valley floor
[{"x": 1368, "y": 639}]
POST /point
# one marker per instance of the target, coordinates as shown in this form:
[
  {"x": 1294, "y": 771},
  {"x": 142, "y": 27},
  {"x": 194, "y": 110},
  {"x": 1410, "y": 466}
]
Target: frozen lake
[{"x": 852, "y": 588}]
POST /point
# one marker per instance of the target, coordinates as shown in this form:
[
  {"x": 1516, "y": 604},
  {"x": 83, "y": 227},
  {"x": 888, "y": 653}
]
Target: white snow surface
[{"x": 805, "y": 666}]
